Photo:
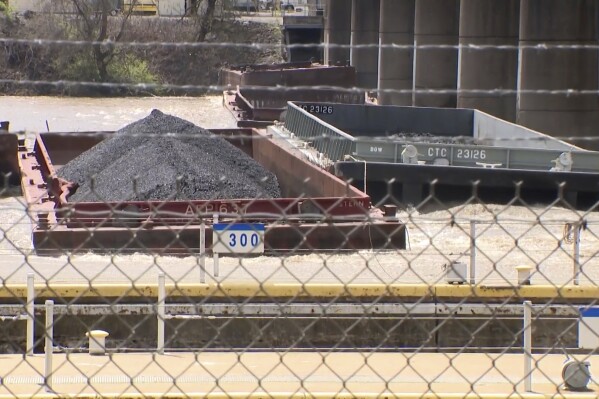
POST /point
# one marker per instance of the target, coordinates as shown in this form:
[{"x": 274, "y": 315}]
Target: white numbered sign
[{"x": 238, "y": 238}]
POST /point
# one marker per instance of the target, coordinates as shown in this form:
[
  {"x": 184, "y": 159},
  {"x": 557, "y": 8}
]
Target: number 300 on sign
[{"x": 238, "y": 238}]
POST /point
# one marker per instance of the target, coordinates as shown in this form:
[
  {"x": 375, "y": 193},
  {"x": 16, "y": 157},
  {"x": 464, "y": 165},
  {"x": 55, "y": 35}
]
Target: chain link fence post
[
  {"x": 216, "y": 266},
  {"x": 527, "y": 330},
  {"x": 576, "y": 251},
  {"x": 49, "y": 345},
  {"x": 30, "y": 314},
  {"x": 472, "y": 252},
  {"x": 202, "y": 252},
  {"x": 161, "y": 312}
]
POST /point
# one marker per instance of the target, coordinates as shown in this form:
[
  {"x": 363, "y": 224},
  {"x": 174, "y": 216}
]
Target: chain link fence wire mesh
[{"x": 168, "y": 279}]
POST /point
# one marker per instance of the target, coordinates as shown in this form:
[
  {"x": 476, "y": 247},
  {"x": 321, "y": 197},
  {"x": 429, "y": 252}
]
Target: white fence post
[
  {"x": 472, "y": 252},
  {"x": 202, "y": 252},
  {"x": 30, "y": 313},
  {"x": 215, "y": 254},
  {"x": 527, "y": 330},
  {"x": 576, "y": 257},
  {"x": 160, "y": 312},
  {"x": 49, "y": 344}
]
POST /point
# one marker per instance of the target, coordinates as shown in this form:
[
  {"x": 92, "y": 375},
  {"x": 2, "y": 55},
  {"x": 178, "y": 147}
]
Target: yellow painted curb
[
  {"x": 304, "y": 291},
  {"x": 523, "y": 291}
]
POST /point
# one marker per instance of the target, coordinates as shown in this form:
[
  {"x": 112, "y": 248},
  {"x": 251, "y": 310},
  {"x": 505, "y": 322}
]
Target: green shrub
[
  {"x": 123, "y": 69},
  {"x": 130, "y": 69},
  {"x": 80, "y": 68}
]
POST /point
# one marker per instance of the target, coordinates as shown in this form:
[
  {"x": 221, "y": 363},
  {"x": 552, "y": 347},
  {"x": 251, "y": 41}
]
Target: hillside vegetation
[{"x": 95, "y": 54}]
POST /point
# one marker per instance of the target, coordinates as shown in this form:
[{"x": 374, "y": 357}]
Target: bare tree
[
  {"x": 93, "y": 25},
  {"x": 203, "y": 11}
]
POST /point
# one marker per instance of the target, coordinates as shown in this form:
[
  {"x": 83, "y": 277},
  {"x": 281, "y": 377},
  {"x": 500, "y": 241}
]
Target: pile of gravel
[{"x": 164, "y": 157}]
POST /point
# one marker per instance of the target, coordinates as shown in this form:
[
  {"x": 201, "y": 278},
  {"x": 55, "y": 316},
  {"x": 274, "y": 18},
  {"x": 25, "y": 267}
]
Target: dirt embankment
[{"x": 160, "y": 52}]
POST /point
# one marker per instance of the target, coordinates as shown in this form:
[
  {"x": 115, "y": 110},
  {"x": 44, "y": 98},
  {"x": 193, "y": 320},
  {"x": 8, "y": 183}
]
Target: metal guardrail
[{"x": 483, "y": 313}]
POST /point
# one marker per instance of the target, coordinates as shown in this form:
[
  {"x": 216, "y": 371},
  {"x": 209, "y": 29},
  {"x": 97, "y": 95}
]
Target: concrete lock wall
[
  {"x": 395, "y": 65},
  {"x": 436, "y": 23},
  {"x": 365, "y": 32},
  {"x": 558, "y": 22},
  {"x": 337, "y": 32},
  {"x": 489, "y": 23},
  {"x": 140, "y": 331}
]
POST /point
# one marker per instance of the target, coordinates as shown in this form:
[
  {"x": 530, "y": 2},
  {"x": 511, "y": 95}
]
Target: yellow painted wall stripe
[{"x": 304, "y": 291}]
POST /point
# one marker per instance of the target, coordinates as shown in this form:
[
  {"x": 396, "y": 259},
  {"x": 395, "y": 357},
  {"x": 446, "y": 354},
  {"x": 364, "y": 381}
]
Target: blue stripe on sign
[
  {"x": 238, "y": 227},
  {"x": 589, "y": 312}
]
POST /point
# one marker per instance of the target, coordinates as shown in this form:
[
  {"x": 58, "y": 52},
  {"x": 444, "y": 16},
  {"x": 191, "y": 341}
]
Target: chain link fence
[{"x": 137, "y": 261}]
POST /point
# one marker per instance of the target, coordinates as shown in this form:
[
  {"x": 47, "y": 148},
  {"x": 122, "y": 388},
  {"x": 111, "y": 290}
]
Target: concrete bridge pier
[
  {"x": 395, "y": 65},
  {"x": 556, "y": 22},
  {"x": 337, "y": 32},
  {"x": 493, "y": 23},
  {"x": 365, "y": 31},
  {"x": 436, "y": 23}
]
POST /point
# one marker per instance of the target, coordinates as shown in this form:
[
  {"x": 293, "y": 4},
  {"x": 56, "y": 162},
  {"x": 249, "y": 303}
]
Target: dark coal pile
[{"x": 162, "y": 157}]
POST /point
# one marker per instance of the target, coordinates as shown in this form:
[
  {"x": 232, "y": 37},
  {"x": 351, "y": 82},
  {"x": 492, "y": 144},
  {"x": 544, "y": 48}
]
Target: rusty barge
[{"x": 319, "y": 211}]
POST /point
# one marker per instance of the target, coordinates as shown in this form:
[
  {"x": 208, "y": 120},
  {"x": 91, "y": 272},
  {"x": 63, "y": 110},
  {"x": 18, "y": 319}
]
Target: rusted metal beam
[
  {"x": 254, "y": 106},
  {"x": 184, "y": 240},
  {"x": 289, "y": 74}
]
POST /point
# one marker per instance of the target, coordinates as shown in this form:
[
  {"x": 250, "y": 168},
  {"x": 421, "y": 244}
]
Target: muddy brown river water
[{"x": 87, "y": 114}]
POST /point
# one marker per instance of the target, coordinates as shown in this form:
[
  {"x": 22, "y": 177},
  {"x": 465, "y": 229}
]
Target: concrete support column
[
  {"x": 436, "y": 23},
  {"x": 337, "y": 31},
  {"x": 558, "y": 22},
  {"x": 365, "y": 31},
  {"x": 396, "y": 26},
  {"x": 489, "y": 23}
]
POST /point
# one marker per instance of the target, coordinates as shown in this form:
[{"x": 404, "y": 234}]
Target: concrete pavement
[{"x": 278, "y": 375}]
